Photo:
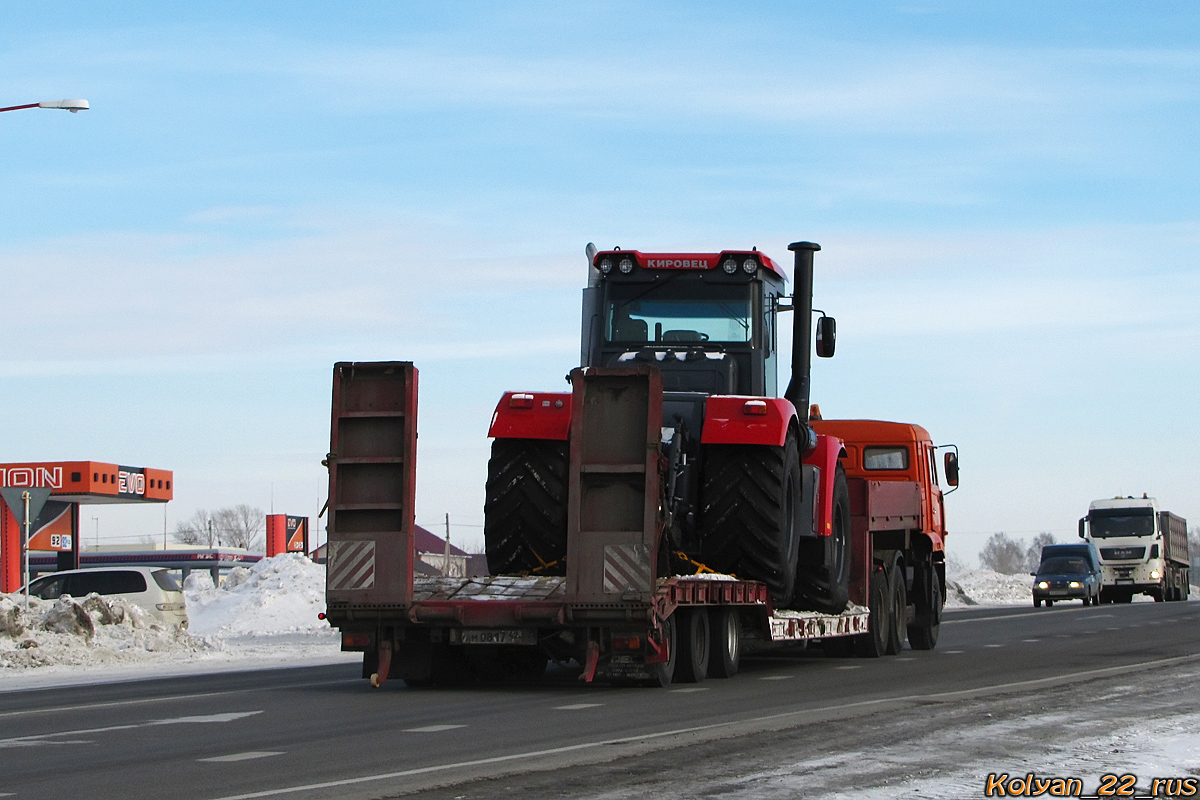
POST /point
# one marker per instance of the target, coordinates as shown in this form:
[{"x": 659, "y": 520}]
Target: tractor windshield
[{"x": 675, "y": 311}]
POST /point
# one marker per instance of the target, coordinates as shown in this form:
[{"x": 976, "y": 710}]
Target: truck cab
[{"x": 1138, "y": 546}]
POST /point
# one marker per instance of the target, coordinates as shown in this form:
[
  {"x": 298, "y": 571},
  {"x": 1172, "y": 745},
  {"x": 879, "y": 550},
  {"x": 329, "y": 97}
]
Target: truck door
[{"x": 935, "y": 492}]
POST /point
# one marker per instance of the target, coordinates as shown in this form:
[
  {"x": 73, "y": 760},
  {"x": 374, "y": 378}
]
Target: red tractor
[{"x": 749, "y": 488}]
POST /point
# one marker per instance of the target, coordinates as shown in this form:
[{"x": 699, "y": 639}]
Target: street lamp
[{"x": 74, "y": 106}]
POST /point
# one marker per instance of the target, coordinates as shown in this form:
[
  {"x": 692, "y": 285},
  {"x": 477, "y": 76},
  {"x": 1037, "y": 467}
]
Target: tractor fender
[
  {"x": 825, "y": 458},
  {"x": 532, "y": 415},
  {"x": 747, "y": 420}
]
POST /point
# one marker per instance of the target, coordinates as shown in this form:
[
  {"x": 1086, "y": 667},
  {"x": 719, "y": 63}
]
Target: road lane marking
[
  {"x": 993, "y": 645},
  {"x": 433, "y": 728},
  {"x": 906, "y": 658},
  {"x": 163, "y": 698},
  {"x": 1031, "y": 640},
  {"x": 577, "y": 706},
  {"x": 852, "y": 666},
  {"x": 459, "y": 766},
  {"x": 247, "y": 756},
  {"x": 777, "y": 677},
  {"x": 691, "y": 689},
  {"x": 952, "y": 652},
  {"x": 40, "y": 738}
]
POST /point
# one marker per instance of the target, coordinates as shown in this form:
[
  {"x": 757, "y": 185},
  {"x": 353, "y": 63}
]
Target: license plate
[
  {"x": 498, "y": 636},
  {"x": 1124, "y": 580},
  {"x": 1058, "y": 592}
]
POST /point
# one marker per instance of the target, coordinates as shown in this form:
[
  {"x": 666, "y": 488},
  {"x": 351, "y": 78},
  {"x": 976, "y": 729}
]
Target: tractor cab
[{"x": 706, "y": 320}]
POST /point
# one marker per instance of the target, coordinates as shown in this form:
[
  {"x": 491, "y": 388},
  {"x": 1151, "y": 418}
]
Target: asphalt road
[{"x": 322, "y": 732}]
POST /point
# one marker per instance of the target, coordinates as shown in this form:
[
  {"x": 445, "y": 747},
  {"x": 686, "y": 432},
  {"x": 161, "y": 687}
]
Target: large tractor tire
[
  {"x": 525, "y": 510},
  {"x": 750, "y": 507},
  {"x": 823, "y": 577}
]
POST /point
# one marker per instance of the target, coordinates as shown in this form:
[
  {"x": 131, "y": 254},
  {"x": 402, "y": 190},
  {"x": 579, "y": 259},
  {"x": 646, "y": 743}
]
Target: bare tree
[
  {"x": 237, "y": 526},
  {"x": 240, "y": 526},
  {"x": 1003, "y": 554},
  {"x": 1033, "y": 556},
  {"x": 195, "y": 530}
]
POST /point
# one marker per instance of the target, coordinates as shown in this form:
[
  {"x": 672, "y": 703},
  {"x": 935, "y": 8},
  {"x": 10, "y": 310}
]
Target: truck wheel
[
  {"x": 1037, "y": 603},
  {"x": 663, "y": 674},
  {"x": 826, "y": 586},
  {"x": 1049, "y": 604},
  {"x": 899, "y": 610},
  {"x": 750, "y": 505},
  {"x": 694, "y": 646},
  {"x": 923, "y": 633},
  {"x": 725, "y": 654},
  {"x": 874, "y": 642},
  {"x": 525, "y": 509}
]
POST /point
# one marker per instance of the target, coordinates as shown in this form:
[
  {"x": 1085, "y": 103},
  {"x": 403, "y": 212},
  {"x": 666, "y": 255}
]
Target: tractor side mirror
[
  {"x": 1082, "y": 530},
  {"x": 826, "y": 336},
  {"x": 952, "y": 468}
]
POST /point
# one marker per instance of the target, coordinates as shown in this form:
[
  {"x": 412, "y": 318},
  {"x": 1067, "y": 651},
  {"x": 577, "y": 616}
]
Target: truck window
[
  {"x": 933, "y": 473},
  {"x": 677, "y": 311},
  {"x": 885, "y": 458},
  {"x": 1106, "y": 522}
]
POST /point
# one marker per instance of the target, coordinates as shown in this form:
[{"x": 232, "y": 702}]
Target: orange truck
[{"x": 897, "y": 524}]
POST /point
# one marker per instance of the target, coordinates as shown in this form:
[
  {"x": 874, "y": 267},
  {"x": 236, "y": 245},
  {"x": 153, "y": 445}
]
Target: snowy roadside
[
  {"x": 264, "y": 617},
  {"x": 983, "y": 588}
]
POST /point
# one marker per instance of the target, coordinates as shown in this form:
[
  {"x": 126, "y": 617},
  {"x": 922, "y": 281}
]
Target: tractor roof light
[
  {"x": 520, "y": 400},
  {"x": 729, "y": 265},
  {"x": 606, "y": 266},
  {"x": 626, "y": 266},
  {"x": 749, "y": 266}
]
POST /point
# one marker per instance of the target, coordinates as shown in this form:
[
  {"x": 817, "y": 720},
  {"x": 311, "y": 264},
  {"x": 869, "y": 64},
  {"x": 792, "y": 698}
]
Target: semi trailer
[
  {"x": 643, "y": 524},
  {"x": 1142, "y": 550}
]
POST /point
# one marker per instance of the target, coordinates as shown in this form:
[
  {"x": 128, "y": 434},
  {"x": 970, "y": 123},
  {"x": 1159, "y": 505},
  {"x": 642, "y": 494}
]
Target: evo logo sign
[{"x": 131, "y": 481}]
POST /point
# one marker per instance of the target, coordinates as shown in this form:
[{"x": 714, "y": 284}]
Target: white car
[{"x": 152, "y": 589}]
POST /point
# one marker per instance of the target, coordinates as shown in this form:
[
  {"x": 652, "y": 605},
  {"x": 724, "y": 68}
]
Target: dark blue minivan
[{"x": 1068, "y": 572}]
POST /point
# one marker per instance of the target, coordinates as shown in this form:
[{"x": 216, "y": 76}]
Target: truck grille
[{"x": 1122, "y": 553}]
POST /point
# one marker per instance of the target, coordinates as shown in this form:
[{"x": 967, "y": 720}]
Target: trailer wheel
[
  {"x": 725, "y": 654},
  {"x": 663, "y": 674},
  {"x": 694, "y": 646},
  {"x": 874, "y": 642},
  {"x": 899, "y": 624},
  {"x": 750, "y": 505},
  {"x": 825, "y": 586},
  {"x": 525, "y": 508},
  {"x": 923, "y": 633}
]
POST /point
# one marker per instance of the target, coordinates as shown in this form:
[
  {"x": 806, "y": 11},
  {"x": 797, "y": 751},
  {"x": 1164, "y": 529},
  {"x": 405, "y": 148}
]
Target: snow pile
[
  {"x": 280, "y": 595},
  {"x": 261, "y": 617},
  {"x": 98, "y": 630},
  {"x": 983, "y": 587}
]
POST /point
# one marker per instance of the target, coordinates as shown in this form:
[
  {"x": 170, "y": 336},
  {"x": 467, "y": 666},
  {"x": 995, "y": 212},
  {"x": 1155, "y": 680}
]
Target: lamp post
[{"x": 74, "y": 106}]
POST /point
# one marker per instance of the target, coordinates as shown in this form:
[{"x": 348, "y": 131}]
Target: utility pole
[{"x": 446, "y": 562}]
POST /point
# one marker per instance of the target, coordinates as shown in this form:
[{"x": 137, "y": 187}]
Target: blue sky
[{"x": 1005, "y": 194}]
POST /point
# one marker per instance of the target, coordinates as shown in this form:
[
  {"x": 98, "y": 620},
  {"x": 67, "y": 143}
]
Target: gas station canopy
[
  {"x": 71, "y": 484},
  {"x": 91, "y": 481}
]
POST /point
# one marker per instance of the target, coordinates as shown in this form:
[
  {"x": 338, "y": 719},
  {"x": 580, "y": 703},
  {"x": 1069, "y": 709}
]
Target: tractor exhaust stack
[{"x": 799, "y": 387}]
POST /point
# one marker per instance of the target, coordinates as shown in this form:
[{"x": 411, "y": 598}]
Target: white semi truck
[{"x": 1142, "y": 550}]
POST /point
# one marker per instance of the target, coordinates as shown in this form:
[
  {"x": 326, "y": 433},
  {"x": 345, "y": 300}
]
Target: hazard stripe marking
[
  {"x": 351, "y": 565},
  {"x": 626, "y": 567}
]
